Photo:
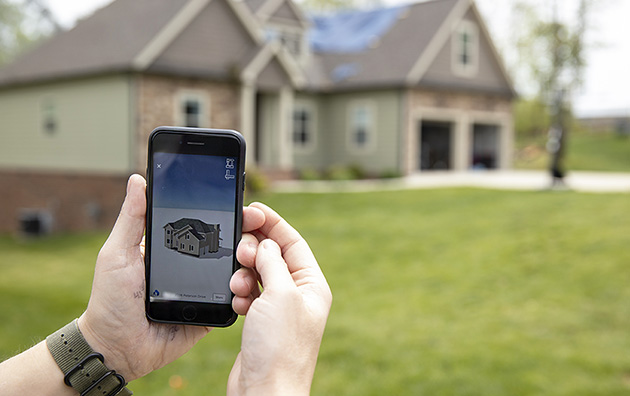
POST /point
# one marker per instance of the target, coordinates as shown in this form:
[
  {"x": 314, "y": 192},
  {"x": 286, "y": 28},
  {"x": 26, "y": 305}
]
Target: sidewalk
[{"x": 594, "y": 182}]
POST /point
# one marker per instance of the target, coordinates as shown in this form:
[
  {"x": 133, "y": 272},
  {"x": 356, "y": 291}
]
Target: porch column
[
  {"x": 461, "y": 143},
  {"x": 248, "y": 123},
  {"x": 285, "y": 128},
  {"x": 506, "y": 143}
]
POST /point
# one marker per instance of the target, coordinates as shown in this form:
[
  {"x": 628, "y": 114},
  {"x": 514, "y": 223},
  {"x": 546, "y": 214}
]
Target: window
[
  {"x": 303, "y": 127},
  {"x": 187, "y": 237},
  {"x": 466, "y": 49},
  {"x": 291, "y": 39},
  {"x": 192, "y": 109},
  {"x": 48, "y": 113},
  {"x": 292, "y": 42},
  {"x": 361, "y": 133},
  {"x": 192, "y": 113},
  {"x": 190, "y": 248}
]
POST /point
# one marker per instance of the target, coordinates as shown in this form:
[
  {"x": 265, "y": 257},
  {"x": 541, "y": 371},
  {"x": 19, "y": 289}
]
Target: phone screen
[
  {"x": 193, "y": 217},
  {"x": 194, "y": 220}
]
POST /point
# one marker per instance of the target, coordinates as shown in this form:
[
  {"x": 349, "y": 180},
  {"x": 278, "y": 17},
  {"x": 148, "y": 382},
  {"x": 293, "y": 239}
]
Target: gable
[
  {"x": 487, "y": 73},
  {"x": 214, "y": 44},
  {"x": 273, "y": 76},
  {"x": 286, "y": 15},
  {"x": 255, "y": 5}
]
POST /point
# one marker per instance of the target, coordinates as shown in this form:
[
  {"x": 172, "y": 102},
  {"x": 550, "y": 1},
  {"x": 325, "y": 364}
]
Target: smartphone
[{"x": 195, "y": 185}]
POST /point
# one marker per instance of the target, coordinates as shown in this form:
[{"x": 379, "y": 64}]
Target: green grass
[
  {"x": 440, "y": 292},
  {"x": 585, "y": 152}
]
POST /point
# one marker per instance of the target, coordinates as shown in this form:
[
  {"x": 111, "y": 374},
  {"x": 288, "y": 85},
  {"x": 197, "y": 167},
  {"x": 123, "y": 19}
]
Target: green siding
[
  {"x": 333, "y": 124},
  {"x": 92, "y": 126}
]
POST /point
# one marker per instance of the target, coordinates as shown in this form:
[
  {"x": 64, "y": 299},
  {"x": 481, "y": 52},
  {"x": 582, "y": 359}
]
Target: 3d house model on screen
[{"x": 192, "y": 236}]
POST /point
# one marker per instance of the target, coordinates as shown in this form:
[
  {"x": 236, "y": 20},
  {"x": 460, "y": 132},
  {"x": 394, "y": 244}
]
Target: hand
[
  {"x": 115, "y": 323},
  {"x": 284, "y": 323}
]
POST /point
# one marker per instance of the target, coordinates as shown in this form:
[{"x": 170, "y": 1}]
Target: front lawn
[{"x": 436, "y": 292}]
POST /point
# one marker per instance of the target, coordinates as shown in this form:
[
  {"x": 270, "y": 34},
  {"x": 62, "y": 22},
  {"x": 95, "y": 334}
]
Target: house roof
[
  {"x": 172, "y": 36},
  {"x": 196, "y": 227},
  {"x": 352, "y": 31},
  {"x": 224, "y": 39},
  {"x": 107, "y": 41},
  {"x": 386, "y": 56},
  {"x": 390, "y": 46}
]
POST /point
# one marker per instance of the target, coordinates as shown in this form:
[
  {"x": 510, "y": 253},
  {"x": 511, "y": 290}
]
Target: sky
[{"x": 607, "y": 76}]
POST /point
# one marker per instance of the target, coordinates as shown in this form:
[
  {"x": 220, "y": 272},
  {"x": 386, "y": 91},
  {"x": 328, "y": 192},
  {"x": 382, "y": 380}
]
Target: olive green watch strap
[{"x": 83, "y": 369}]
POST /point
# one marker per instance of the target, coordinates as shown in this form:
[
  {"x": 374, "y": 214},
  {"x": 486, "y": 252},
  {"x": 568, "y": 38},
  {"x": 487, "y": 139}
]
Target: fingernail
[
  {"x": 252, "y": 247},
  {"x": 269, "y": 244}
]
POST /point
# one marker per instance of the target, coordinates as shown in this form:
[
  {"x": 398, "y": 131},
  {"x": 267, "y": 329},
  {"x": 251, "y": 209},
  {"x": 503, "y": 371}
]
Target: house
[
  {"x": 404, "y": 89},
  {"x": 617, "y": 121},
  {"x": 192, "y": 236}
]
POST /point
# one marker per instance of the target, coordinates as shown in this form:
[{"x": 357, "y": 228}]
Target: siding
[
  {"x": 334, "y": 126},
  {"x": 92, "y": 126}
]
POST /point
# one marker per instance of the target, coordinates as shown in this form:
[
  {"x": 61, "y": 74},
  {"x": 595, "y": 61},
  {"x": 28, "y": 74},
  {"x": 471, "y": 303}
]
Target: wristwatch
[{"x": 83, "y": 368}]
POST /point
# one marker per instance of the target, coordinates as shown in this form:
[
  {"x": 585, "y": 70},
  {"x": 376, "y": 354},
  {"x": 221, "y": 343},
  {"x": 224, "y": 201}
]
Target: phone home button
[{"x": 189, "y": 313}]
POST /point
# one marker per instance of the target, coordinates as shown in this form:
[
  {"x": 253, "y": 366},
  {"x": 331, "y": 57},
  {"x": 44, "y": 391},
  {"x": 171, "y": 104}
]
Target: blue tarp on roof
[{"x": 351, "y": 31}]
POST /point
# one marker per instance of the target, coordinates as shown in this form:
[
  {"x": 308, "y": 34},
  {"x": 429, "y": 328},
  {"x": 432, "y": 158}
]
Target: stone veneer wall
[
  {"x": 76, "y": 201},
  {"x": 460, "y": 101},
  {"x": 156, "y": 106}
]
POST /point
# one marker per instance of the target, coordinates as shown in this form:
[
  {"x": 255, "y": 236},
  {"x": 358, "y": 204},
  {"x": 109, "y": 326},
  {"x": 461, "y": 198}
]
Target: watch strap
[{"x": 83, "y": 368}]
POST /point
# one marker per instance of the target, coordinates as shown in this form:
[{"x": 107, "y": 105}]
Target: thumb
[
  {"x": 272, "y": 268},
  {"x": 129, "y": 227}
]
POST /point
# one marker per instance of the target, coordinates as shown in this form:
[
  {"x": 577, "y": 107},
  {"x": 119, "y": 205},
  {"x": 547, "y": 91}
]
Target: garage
[
  {"x": 435, "y": 145},
  {"x": 485, "y": 146}
]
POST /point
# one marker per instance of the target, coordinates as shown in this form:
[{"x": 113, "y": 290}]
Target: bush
[
  {"x": 256, "y": 182},
  {"x": 340, "y": 173},
  {"x": 390, "y": 174},
  {"x": 309, "y": 174}
]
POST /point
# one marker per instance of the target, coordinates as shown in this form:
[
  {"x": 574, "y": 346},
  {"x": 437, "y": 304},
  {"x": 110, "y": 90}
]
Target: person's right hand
[{"x": 285, "y": 322}]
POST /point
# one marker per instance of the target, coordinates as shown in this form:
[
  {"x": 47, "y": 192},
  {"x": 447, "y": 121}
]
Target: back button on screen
[{"x": 189, "y": 313}]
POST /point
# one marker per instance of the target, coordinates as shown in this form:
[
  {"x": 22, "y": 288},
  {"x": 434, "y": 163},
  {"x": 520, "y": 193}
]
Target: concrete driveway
[{"x": 595, "y": 182}]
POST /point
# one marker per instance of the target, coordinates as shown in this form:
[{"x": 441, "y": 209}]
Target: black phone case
[{"x": 214, "y": 315}]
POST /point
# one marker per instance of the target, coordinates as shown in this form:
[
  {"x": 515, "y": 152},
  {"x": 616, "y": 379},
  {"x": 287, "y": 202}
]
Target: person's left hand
[{"x": 115, "y": 323}]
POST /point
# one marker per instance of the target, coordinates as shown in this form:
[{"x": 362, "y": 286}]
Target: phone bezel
[{"x": 198, "y": 141}]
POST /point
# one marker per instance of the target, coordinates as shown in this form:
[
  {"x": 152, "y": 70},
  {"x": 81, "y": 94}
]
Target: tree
[
  {"x": 554, "y": 53},
  {"x": 324, "y": 6},
  {"x": 22, "y": 23}
]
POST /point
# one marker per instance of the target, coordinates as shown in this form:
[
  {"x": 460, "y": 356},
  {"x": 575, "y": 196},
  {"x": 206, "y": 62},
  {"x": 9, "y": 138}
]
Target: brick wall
[
  {"x": 76, "y": 202},
  {"x": 156, "y": 106}
]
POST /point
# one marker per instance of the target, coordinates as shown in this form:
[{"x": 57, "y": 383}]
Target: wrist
[
  {"x": 83, "y": 368},
  {"x": 112, "y": 359},
  {"x": 277, "y": 382},
  {"x": 277, "y": 389}
]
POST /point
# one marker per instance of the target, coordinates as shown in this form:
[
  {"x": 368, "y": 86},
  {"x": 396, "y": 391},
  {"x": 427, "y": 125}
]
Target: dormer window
[
  {"x": 291, "y": 39},
  {"x": 465, "y": 57}
]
